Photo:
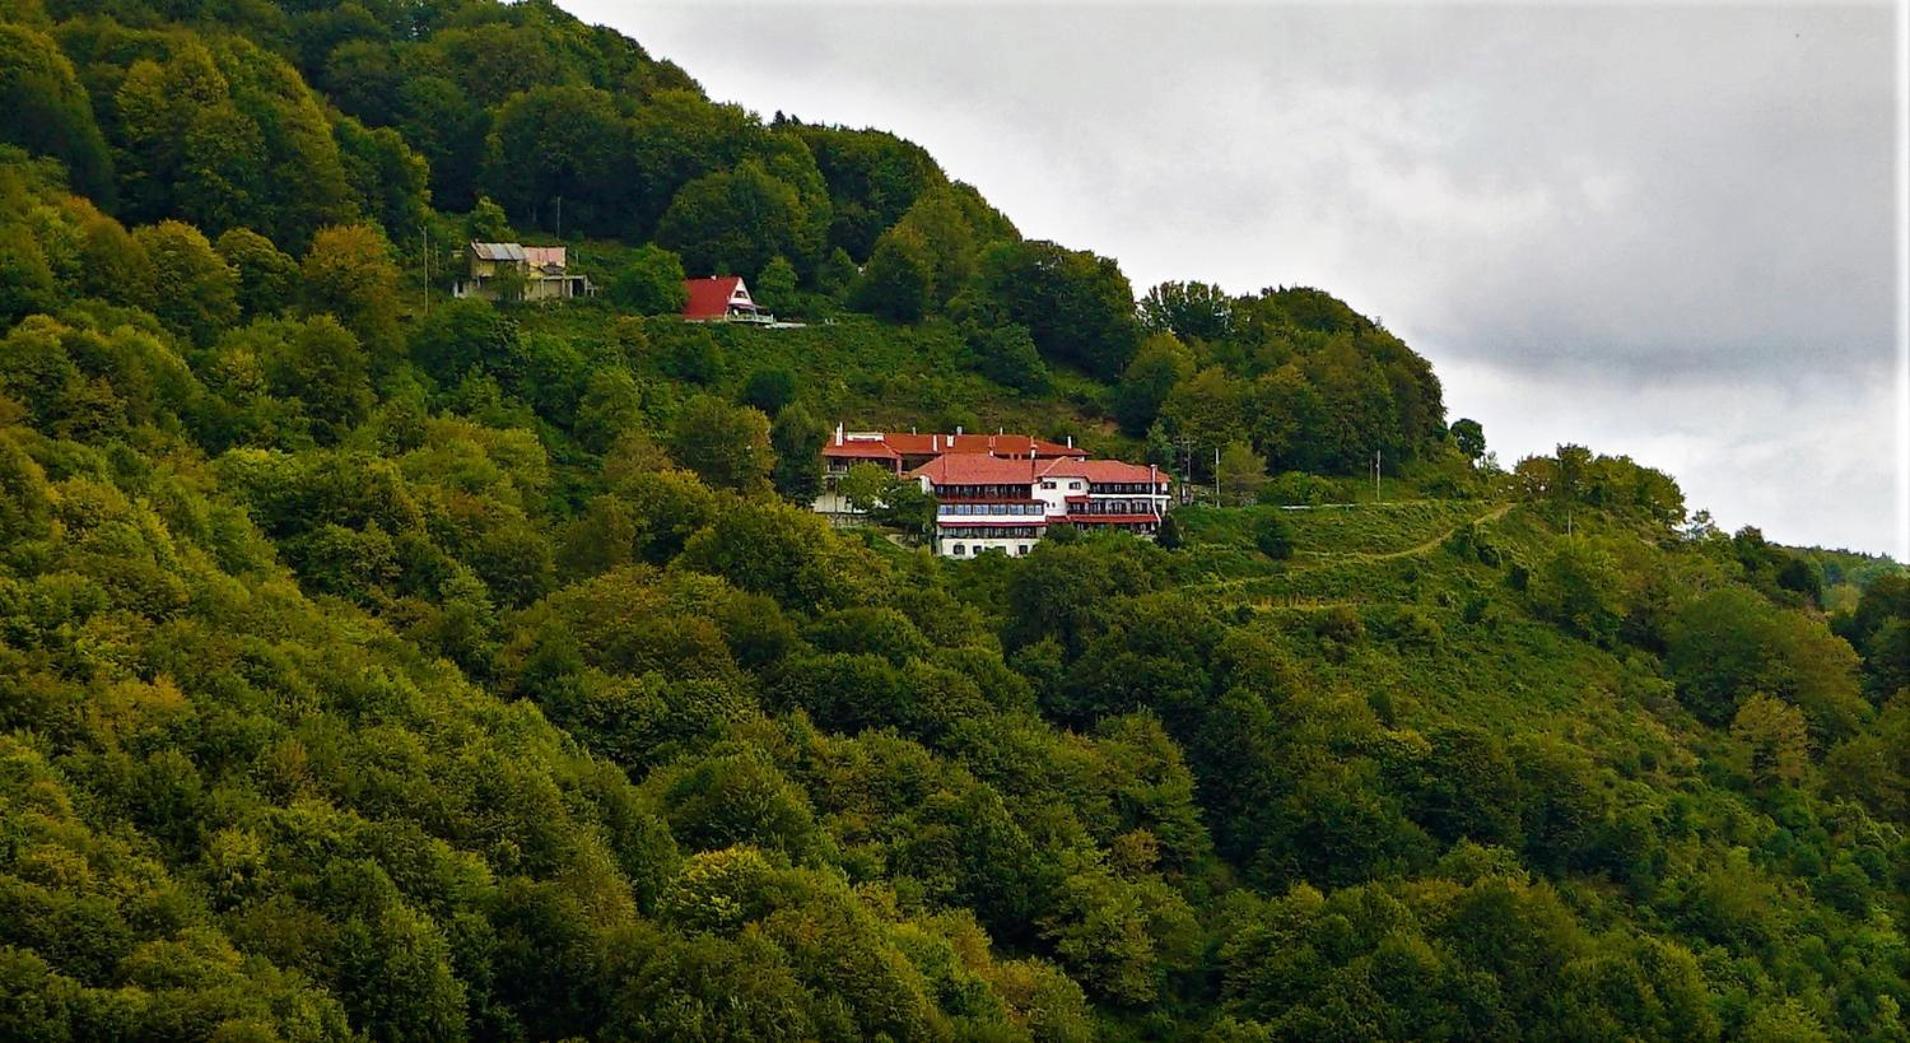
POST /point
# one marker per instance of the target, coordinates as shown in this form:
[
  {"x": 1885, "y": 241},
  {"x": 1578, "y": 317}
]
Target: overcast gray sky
[{"x": 1662, "y": 231}]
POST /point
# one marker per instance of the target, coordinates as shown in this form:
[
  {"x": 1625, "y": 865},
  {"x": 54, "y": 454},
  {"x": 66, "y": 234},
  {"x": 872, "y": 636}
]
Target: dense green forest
[{"x": 380, "y": 666}]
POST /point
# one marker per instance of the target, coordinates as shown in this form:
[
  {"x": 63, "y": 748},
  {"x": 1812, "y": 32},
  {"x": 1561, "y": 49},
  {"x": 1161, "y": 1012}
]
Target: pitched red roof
[
  {"x": 860, "y": 449},
  {"x": 977, "y": 469},
  {"x": 1105, "y": 471},
  {"x": 709, "y": 298}
]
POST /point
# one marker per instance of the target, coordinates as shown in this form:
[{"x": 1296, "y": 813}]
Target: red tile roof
[
  {"x": 1104, "y": 471},
  {"x": 861, "y": 450},
  {"x": 977, "y": 469},
  {"x": 709, "y": 298}
]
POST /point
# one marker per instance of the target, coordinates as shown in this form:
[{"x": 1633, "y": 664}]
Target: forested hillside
[{"x": 378, "y": 665}]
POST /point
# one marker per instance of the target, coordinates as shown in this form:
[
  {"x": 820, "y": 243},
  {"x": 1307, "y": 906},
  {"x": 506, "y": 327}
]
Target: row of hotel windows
[
  {"x": 991, "y": 508},
  {"x": 982, "y": 492},
  {"x": 1103, "y": 488},
  {"x": 990, "y": 532},
  {"x": 1144, "y": 505}
]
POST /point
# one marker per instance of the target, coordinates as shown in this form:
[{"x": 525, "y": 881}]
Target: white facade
[
  {"x": 960, "y": 547},
  {"x": 1054, "y": 492},
  {"x": 1009, "y": 505},
  {"x": 999, "y": 492},
  {"x": 965, "y": 528}
]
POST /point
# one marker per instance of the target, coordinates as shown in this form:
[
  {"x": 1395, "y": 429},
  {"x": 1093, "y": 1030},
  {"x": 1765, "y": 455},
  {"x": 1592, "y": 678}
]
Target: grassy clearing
[
  {"x": 865, "y": 374},
  {"x": 1339, "y": 552},
  {"x": 1369, "y": 528}
]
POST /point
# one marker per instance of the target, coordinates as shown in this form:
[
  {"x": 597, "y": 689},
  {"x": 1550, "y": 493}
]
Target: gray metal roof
[{"x": 497, "y": 251}]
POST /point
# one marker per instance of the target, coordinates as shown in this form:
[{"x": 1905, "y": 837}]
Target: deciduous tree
[
  {"x": 797, "y": 439},
  {"x": 727, "y": 446},
  {"x": 348, "y": 273},
  {"x": 651, "y": 283},
  {"x": 267, "y": 278},
  {"x": 1078, "y": 306},
  {"x": 195, "y": 291}
]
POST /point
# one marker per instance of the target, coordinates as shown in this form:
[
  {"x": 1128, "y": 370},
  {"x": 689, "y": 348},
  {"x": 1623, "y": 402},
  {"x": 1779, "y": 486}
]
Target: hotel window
[{"x": 960, "y": 550}]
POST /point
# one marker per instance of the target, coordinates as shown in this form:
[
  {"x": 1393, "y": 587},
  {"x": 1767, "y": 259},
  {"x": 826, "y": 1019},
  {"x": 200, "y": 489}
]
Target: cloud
[
  {"x": 1680, "y": 216},
  {"x": 1806, "y": 461}
]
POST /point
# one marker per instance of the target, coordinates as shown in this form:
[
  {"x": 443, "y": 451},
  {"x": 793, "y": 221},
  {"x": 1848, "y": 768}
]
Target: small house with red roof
[{"x": 722, "y": 298}]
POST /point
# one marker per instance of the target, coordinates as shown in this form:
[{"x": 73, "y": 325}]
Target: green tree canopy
[
  {"x": 797, "y": 439},
  {"x": 195, "y": 290},
  {"x": 651, "y": 283},
  {"x": 1078, "y": 307},
  {"x": 727, "y": 446},
  {"x": 1469, "y": 437},
  {"x": 348, "y": 273},
  {"x": 562, "y": 142},
  {"x": 1188, "y": 311},
  {"x": 1161, "y": 362},
  {"x": 736, "y": 221},
  {"x": 48, "y": 112},
  {"x": 267, "y": 278}
]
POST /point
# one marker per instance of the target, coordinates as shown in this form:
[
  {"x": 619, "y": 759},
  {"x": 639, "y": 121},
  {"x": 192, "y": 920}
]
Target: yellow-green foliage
[{"x": 376, "y": 672}]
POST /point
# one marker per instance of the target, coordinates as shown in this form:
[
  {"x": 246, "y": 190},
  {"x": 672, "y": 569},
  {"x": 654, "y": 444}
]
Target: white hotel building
[{"x": 986, "y": 503}]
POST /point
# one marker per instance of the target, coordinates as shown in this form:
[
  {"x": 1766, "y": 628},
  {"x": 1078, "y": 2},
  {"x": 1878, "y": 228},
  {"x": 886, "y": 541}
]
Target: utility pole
[
  {"x": 1375, "y": 476},
  {"x": 1216, "y": 476},
  {"x": 560, "y": 217}
]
